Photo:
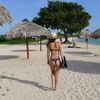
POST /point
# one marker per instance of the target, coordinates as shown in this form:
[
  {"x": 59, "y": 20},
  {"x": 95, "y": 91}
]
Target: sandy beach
[{"x": 22, "y": 79}]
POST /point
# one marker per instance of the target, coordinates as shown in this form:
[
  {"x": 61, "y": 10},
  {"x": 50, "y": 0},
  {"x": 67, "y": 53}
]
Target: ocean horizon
[{"x": 91, "y": 41}]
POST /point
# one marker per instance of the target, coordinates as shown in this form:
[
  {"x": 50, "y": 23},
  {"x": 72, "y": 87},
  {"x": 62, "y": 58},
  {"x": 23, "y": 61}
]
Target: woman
[{"x": 53, "y": 58}]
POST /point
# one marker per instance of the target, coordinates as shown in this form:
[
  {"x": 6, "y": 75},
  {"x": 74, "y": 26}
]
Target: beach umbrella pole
[
  {"x": 87, "y": 43},
  {"x": 27, "y": 47},
  {"x": 40, "y": 43},
  {"x": 87, "y": 46}
]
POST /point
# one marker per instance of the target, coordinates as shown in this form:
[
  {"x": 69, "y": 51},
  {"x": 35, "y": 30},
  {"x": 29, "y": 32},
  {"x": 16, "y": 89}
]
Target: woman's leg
[
  {"x": 52, "y": 80},
  {"x": 51, "y": 63},
  {"x": 56, "y": 80},
  {"x": 57, "y": 68}
]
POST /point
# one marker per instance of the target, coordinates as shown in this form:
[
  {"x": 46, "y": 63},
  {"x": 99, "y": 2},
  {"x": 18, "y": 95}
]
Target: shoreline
[
  {"x": 96, "y": 41},
  {"x": 82, "y": 40}
]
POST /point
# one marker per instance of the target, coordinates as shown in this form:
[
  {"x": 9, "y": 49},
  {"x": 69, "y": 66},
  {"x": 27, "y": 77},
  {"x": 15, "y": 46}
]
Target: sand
[{"x": 22, "y": 79}]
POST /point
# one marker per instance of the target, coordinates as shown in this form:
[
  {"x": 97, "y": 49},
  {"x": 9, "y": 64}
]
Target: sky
[{"x": 21, "y": 9}]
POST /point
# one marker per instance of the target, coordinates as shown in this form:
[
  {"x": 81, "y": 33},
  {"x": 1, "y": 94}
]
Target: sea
[{"x": 91, "y": 41}]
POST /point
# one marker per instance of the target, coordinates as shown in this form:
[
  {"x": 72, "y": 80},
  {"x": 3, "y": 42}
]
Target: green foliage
[
  {"x": 2, "y": 38},
  {"x": 19, "y": 40},
  {"x": 63, "y": 15}
]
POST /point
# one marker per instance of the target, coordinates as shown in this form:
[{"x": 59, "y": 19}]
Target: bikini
[{"x": 55, "y": 59}]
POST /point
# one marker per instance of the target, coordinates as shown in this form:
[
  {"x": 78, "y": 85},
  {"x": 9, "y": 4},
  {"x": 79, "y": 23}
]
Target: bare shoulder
[{"x": 58, "y": 43}]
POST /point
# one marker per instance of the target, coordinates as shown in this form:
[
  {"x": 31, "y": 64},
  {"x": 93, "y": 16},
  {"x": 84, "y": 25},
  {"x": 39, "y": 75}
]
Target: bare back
[{"x": 54, "y": 49}]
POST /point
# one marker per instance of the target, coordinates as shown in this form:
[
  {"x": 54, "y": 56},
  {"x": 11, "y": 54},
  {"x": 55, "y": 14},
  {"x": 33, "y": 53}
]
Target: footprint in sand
[
  {"x": 12, "y": 74},
  {"x": 3, "y": 94},
  {"x": 3, "y": 72},
  {"x": 7, "y": 89}
]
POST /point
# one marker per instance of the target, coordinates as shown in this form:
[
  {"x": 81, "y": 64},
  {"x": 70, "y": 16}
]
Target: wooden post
[
  {"x": 27, "y": 47},
  {"x": 87, "y": 43},
  {"x": 40, "y": 43}
]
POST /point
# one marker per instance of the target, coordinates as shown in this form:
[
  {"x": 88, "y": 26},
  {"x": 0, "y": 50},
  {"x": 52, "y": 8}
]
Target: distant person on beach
[
  {"x": 73, "y": 43},
  {"x": 53, "y": 57}
]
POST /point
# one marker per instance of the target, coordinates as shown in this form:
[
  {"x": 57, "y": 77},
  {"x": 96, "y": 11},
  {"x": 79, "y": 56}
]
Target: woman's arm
[
  {"x": 61, "y": 53},
  {"x": 48, "y": 55}
]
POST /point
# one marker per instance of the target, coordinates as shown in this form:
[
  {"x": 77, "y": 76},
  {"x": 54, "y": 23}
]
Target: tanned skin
[{"x": 54, "y": 66}]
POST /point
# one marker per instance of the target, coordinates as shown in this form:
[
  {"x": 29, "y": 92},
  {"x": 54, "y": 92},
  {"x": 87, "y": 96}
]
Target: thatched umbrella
[
  {"x": 96, "y": 34},
  {"x": 27, "y": 29},
  {"x": 87, "y": 35},
  {"x": 5, "y": 16}
]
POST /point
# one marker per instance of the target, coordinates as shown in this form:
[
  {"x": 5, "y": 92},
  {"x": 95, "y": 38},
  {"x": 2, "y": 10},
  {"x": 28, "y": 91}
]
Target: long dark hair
[{"x": 51, "y": 40}]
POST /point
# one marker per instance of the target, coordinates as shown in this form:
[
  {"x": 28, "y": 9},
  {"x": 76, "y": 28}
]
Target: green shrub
[{"x": 2, "y": 38}]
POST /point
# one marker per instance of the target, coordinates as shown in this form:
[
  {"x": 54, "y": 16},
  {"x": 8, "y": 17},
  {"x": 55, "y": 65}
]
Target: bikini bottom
[{"x": 55, "y": 59}]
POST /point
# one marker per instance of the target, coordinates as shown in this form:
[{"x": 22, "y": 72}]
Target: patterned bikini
[{"x": 55, "y": 59}]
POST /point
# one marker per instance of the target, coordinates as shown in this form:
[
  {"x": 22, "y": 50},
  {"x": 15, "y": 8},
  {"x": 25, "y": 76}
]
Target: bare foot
[{"x": 54, "y": 89}]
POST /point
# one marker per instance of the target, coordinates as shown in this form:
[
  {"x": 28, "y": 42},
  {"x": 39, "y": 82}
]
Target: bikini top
[{"x": 54, "y": 49}]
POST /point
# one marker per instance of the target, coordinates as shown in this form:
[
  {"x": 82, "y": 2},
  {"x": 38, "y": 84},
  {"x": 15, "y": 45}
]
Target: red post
[{"x": 27, "y": 47}]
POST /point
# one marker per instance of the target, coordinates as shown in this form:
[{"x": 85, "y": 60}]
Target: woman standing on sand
[{"x": 53, "y": 57}]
